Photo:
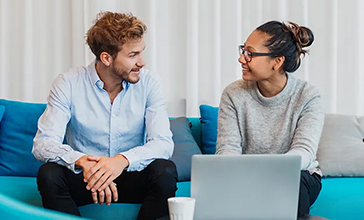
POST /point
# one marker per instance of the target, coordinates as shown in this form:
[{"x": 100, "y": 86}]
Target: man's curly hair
[{"x": 111, "y": 30}]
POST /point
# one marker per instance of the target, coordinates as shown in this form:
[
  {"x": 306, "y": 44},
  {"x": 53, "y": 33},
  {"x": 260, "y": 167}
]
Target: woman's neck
[{"x": 272, "y": 86}]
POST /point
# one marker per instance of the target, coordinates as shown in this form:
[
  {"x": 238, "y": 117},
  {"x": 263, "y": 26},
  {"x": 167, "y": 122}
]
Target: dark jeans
[
  {"x": 64, "y": 191},
  {"x": 310, "y": 188}
]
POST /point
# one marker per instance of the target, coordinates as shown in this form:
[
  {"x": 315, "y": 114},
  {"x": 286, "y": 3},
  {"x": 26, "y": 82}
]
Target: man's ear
[
  {"x": 278, "y": 62},
  {"x": 106, "y": 58}
]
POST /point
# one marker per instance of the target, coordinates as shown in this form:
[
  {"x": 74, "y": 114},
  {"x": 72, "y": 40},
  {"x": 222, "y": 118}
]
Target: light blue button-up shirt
[{"x": 136, "y": 125}]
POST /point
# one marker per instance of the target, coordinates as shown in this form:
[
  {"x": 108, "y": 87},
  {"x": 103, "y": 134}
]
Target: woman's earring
[{"x": 273, "y": 68}]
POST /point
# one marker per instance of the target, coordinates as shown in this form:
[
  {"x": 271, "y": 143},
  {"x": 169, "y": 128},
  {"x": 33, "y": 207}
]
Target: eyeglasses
[{"x": 249, "y": 55}]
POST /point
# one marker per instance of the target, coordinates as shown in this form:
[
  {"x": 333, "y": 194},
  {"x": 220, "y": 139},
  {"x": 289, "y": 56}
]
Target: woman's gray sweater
[{"x": 290, "y": 122}]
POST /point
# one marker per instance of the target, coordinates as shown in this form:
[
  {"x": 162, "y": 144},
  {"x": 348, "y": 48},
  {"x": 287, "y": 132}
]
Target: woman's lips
[{"x": 245, "y": 70}]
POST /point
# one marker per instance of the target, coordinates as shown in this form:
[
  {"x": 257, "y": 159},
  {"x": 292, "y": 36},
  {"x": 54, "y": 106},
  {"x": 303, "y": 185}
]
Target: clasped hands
[{"x": 99, "y": 172}]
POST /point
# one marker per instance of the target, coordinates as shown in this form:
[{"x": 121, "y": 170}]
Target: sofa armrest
[{"x": 13, "y": 209}]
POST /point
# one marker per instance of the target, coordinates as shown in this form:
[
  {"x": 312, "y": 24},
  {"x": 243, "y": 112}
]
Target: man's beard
[{"x": 125, "y": 76}]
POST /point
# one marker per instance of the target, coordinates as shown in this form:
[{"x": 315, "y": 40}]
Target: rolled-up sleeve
[{"x": 48, "y": 143}]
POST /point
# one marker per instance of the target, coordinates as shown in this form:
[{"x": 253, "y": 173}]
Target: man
[{"x": 114, "y": 116}]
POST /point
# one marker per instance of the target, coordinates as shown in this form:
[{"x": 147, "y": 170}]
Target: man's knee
[
  {"x": 164, "y": 173},
  {"x": 49, "y": 174},
  {"x": 163, "y": 167}
]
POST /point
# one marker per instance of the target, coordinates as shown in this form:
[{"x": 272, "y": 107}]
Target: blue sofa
[{"x": 341, "y": 198}]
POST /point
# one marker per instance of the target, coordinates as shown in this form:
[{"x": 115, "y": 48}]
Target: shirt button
[
  {"x": 69, "y": 167},
  {"x": 113, "y": 138},
  {"x": 113, "y": 115}
]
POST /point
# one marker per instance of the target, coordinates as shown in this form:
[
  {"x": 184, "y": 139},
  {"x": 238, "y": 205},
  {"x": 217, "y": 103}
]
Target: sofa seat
[
  {"x": 341, "y": 198},
  {"x": 24, "y": 189},
  {"x": 337, "y": 200}
]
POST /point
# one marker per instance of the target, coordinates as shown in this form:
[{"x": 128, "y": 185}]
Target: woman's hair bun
[
  {"x": 302, "y": 35},
  {"x": 287, "y": 39}
]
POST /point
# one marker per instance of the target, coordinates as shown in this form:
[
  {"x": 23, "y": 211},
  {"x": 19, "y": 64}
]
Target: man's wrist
[
  {"x": 126, "y": 161},
  {"x": 78, "y": 163}
]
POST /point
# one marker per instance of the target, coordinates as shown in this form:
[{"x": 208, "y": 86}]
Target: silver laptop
[{"x": 254, "y": 187}]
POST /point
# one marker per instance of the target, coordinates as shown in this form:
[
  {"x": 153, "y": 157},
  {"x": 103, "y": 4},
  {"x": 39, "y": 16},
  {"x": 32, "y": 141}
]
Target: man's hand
[
  {"x": 104, "y": 171},
  {"x": 109, "y": 192},
  {"x": 85, "y": 164}
]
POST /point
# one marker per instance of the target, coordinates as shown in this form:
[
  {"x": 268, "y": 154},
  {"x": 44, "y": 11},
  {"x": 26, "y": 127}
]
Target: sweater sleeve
[
  {"x": 308, "y": 132},
  {"x": 229, "y": 139}
]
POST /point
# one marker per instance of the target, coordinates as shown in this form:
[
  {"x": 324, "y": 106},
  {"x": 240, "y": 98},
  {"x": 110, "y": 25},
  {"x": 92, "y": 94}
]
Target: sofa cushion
[
  {"x": 340, "y": 199},
  {"x": 209, "y": 116},
  {"x": 341, "y": 148},
  {"x": 184, "y": 147},
  {"x": 2, "y": 111},
  {"x": 17, "y": 130}
]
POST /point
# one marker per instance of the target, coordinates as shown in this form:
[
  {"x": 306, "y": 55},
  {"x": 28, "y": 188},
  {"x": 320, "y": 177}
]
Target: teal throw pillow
[
  {"x": 209, "y": 116},
  {"x": 184, "y": 147},
  {"x": 2, "y": 110},
  {"x": 17, "y": 130}
]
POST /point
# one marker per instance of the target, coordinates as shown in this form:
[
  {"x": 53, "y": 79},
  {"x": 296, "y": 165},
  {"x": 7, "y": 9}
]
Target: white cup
[{"x": 181, "y": 208}]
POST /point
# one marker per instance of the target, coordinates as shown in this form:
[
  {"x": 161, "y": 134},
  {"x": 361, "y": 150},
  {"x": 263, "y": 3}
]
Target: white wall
[{"x": 191, "y": 44}]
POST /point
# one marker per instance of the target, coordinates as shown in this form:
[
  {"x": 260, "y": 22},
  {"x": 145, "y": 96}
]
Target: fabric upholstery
[
  {"x": 17, "y": 130},
  {"x": 340, "y": 199},
  {"x": 209, "y": 116},
  {"x": 2, "y": 111},
  {"x": 184, "y": 147},
  {"x": 24, "y": 191},
  {"x": 341, "y": 148}
]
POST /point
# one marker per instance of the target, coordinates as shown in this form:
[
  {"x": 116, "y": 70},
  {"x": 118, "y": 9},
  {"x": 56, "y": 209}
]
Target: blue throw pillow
[
  {"x": 17, "y": 130},
  {"x": 2, "y": 110},
  {"x": 209, "y": 116},
  {"x": 184, "y": 147}
]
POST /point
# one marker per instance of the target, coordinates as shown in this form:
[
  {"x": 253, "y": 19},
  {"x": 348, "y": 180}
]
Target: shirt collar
[
  {"x": 125, "y": 85},
  {"x": 95, "y": 79}
]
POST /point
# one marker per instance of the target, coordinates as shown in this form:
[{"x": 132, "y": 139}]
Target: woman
[{"x": 270, "y": 111}]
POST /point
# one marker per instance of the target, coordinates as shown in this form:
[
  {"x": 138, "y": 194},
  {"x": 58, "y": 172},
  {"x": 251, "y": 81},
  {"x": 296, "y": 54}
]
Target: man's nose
[{"x": 140, "y": 62}]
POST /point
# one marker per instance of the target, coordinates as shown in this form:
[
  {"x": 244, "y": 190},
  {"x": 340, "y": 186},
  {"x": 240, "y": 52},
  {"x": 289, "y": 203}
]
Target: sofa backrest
[
  {"x": 17, "y": 130},
  {"x": 196, "y": 129},
  {"x": 341, "y": 148},
  {"x": 18, "y": 126}
]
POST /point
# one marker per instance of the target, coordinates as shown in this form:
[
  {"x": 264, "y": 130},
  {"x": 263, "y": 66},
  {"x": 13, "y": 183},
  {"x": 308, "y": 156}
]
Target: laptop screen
[{"x": 245, "y": 186}]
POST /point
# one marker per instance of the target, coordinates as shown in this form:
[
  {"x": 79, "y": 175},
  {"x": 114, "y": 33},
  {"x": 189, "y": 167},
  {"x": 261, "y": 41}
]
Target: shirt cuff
[
  {"x": 134, "y": 161},
  {"x": 69, "y": 159}
]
